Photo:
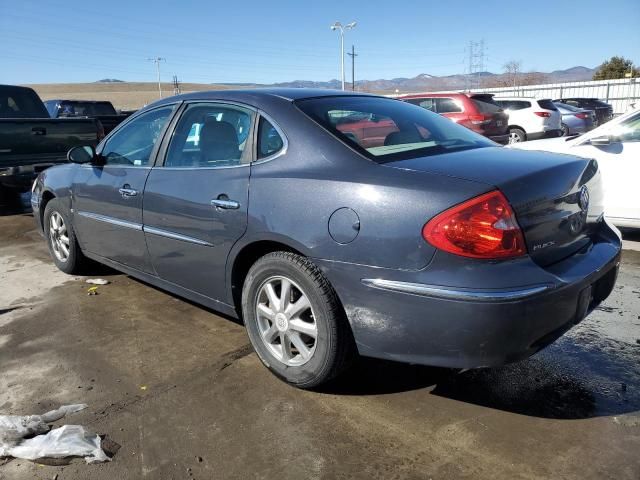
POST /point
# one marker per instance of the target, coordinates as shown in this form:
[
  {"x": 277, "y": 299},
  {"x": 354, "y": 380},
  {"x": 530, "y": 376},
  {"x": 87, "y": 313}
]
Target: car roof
[
  {"x": 75, "y": 100},
  {"x": 289, "y": 94},
  {"x": 526, "y": 99},
  {"x": 436, "y": 94}
]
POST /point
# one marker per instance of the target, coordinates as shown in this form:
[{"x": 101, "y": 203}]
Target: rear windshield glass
[
  {"x": 21, "y": 103},
  {"x": 564, "y": 106},
  {"x": 386, "y": 130},
  {"x": 85, "y": 109},
  {"x": 547, "y": 104},
  {"x": 485, "y": 104}
]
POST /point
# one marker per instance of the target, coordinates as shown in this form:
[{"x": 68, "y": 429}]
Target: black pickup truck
[
  {"x": 99, "y": 109},
  {"x": 31, "y": 141}
]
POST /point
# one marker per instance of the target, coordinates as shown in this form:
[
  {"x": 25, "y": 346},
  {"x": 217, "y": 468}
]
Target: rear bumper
[{"x": 407, "y": 316}]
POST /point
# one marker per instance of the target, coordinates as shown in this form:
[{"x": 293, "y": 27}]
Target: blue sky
[{"x": 257, "y": 41}]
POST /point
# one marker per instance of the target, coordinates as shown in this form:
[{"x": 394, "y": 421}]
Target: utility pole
[
  {"x": 353, "y": 56},
  {"x": 157, "y": 61}
]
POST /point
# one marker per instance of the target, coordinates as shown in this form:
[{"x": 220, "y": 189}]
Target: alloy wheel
[
  {"x": 286, "y": 321},
  {"x": 59, "y": 237},
  {"x": 514, "y": 138}
]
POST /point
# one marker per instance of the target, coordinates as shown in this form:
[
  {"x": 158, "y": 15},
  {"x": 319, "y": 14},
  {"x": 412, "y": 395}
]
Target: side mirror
[
  {"x": 82, "y": 154},
  {"x": 601, "y": 140}
]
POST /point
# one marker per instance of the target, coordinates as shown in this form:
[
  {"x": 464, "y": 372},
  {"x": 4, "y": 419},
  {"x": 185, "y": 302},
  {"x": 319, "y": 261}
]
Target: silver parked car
[{"x": 575, "y": 120}]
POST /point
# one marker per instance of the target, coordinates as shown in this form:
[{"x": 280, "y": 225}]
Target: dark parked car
[
  {"x": 31, "y": 141},
  {"x": 575, "y": 120},
  {"x": 431, "y": 245},
  {"x": 604, "y": 111},
  {"x": 100, "y": 110},
  {"x": 476, "y": 111}
]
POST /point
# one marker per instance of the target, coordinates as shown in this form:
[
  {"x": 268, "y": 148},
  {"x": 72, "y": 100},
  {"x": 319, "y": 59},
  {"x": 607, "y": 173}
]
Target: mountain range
[{"x": 425, "y": 82}]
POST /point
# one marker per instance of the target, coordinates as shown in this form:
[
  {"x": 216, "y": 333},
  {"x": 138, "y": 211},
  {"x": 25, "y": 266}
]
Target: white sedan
[{"x": 616, "y": 147}]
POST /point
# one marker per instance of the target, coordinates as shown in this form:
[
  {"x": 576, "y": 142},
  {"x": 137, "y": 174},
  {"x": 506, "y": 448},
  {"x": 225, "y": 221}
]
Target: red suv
[{"x": 476, "y": 111}]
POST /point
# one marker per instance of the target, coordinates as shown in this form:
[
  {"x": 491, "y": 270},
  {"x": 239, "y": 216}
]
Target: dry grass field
[{"x": 125, "y": 95}]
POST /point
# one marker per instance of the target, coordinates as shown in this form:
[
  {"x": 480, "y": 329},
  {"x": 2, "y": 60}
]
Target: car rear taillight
[
  {"x": 581, "y": 116},
  {"x": 479, "y": 119},
  {"x": 483, "y": 227},
  {"x": 543, "y": 114}
]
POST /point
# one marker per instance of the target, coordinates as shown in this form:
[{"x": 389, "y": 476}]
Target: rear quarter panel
[{"x": 292, "y": 198}]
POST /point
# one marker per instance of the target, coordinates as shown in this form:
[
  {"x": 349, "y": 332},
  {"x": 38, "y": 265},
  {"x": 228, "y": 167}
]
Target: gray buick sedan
[{"x": 336, "y": 224}]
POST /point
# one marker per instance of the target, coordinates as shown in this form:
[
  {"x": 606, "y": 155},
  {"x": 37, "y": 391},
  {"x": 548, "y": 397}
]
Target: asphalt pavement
[{"x": 178, "y": 387}]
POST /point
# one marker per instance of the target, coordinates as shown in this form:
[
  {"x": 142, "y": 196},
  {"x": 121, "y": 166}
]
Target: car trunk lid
[{"x": 557, "y": 199}]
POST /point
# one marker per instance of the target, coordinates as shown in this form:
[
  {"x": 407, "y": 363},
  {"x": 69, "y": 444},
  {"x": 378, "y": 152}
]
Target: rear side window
[
  {"x": 448, "y": 105},
  {"x": 547, "y": 104},
  {"x": 269, "y": 140}
]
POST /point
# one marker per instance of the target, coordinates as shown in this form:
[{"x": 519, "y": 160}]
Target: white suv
[{"x": 530, "y": 118}]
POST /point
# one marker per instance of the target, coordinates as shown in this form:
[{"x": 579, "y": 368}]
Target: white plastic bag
[
  {"x": 14, "y": 428},
  {"x": 66, "y": 441}
]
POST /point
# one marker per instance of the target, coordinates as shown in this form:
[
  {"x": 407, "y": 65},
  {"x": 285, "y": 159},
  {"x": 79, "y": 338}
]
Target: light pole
[{"x": 342, "y": 28}]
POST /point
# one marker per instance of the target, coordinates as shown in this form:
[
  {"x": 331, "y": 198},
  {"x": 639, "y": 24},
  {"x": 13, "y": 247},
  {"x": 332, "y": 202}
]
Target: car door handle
[
  {"x": 225, "y": 204},
  {"x": 126, "y": 191},
  {"x": 38, "y": 131}
]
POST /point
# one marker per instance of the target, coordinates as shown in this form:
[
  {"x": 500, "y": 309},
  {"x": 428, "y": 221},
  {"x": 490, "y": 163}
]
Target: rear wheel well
[
  {"x": 47, "y": 196},
  {"x": 245, "y": 259}
]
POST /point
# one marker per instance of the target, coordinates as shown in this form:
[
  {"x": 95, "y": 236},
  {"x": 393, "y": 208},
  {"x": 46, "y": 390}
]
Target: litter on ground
[
  {"x": 65, "y": 441},
  {"x": 97, "y": 281}
]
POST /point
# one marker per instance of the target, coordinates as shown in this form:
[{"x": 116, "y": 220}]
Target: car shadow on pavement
[{"x": 569, "y": 380}]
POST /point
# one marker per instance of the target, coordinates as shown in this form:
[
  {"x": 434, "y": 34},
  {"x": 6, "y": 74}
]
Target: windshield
[{"x": 386, "y": 130}]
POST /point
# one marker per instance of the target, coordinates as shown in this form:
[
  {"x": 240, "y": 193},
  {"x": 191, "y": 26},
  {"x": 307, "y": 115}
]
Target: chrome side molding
[{"x": 449, "y": 293}]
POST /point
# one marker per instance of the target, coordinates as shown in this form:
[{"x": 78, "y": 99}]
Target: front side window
[
  {"x": 269, "y": 140},
  {"x": 211, "y": 135},
  {"x": 133, "y": 144},
  {"x": 385, "y": 130}
]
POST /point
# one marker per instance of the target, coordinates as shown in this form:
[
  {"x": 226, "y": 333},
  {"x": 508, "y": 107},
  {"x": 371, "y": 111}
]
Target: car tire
[
  {"x": 517, "y": 135},
  {"x": 564, "y": 131},
  {"x": 61, "y": 239},
  {"x": 305, "y": 348}
]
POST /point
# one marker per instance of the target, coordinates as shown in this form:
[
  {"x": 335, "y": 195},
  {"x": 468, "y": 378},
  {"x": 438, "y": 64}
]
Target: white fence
[{"x": 619, "y": 93}]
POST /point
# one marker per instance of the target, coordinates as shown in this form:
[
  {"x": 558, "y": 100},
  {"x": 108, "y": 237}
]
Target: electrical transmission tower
[
  {"x": 157, "y": 61},
  {"x": 176, "y": 85},
  {"x": 476, "y": 63}
]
